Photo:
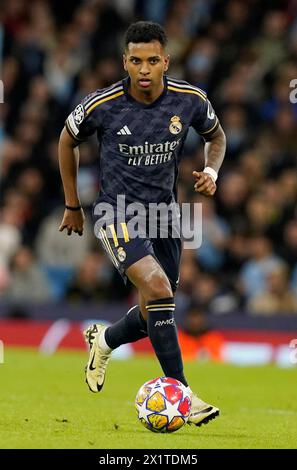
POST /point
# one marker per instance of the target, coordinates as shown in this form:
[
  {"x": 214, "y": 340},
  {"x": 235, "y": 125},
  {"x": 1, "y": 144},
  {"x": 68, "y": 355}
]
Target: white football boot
[
  {"x": 98, "y": 359},
  {"x": 201, "y": 412}
]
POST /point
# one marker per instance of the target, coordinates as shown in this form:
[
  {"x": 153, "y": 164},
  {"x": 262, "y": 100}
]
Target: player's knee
[{"x": 158, "y": 288}]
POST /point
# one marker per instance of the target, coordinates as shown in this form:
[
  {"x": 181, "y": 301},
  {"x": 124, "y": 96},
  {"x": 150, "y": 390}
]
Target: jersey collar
[{"x": 126, "y": 83}]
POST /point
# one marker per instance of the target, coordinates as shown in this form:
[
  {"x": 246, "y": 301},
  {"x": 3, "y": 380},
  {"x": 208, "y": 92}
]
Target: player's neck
[{"x": 146, "y": 96}]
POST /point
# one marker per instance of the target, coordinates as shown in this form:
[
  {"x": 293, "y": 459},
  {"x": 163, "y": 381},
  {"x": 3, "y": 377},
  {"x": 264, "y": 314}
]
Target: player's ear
[
  {"x": 166, "y": 63},
  {"x": 124, "y": 62}
]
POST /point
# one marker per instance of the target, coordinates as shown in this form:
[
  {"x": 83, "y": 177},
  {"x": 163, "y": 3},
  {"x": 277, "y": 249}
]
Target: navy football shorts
[{"x": 124, "y": 251}]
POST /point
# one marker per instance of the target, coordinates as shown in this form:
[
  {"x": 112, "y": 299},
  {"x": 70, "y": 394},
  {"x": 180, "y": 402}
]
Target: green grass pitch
[{"x": 45, "y": 403}]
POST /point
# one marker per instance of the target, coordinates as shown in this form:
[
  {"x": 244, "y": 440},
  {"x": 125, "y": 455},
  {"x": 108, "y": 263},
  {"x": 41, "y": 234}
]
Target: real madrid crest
[
  {"x": 121, "y": 254},
  {"x": 175, "y": 125}
]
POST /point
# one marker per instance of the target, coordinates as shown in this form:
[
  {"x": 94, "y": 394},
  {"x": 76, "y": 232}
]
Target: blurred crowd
[{"x": 243, "y": 53}]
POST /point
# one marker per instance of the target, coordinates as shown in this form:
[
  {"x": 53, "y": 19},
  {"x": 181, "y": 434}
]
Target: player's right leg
[
  {"x": 99, "y": 357},
  {"x": 102, "y": 340}
]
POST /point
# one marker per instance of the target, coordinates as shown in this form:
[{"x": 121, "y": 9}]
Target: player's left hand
[{"x": 204, "y": 183}]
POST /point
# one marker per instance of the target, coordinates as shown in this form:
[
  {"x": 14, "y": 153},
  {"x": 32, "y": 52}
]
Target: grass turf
[{"x": 44, "y": 403}]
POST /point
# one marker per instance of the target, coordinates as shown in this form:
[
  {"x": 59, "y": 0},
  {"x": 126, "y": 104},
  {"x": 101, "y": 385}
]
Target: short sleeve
[
  {"x": 82, "y": 123},
  {"x": 204, "y": 119}
]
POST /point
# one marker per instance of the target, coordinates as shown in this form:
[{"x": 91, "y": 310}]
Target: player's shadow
[
  {"x": 193, "y": 432},
  {"x": 222, "y": 434}
]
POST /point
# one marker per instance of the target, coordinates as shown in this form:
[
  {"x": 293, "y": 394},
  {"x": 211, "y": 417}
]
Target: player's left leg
[
  {"x": 168, "y": 252},
  {"x": 150, "y": 279}
]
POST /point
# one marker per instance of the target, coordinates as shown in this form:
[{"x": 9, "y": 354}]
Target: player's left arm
[
  {"x": 214, "y": 152},
  {"x": 206, "y": 123}
]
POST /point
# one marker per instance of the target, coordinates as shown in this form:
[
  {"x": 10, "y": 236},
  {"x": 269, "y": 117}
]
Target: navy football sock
[
  {"x": 163, "y": 335},
  {"x": 130, "y": 328}
]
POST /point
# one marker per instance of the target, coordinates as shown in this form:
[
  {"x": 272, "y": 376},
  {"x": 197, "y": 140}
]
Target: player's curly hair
[{"x": 145, "y": 31}]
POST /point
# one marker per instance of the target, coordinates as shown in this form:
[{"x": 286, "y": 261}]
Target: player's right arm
[
  {"x": 73, "y": 220},
  {"x": 80, "y": 124}
]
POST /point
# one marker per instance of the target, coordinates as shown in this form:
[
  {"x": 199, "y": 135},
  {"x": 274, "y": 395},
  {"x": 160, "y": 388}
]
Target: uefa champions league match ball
[{"x": 163, "y": 404}]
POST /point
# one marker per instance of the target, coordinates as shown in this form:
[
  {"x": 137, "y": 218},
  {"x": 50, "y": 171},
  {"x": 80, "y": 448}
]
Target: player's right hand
[{"x": 73, "y": 221}]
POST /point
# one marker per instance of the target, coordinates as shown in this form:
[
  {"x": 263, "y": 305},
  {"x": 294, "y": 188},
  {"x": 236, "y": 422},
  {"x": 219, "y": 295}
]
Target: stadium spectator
[
  {"x": 277, "y": 298},
  {"x": 10, "y": 235},
  {"x": 215, "y": 233},
  {"x": 217, "y": 297},
  {"x": 262, "y": 262},
  {"x": 197, "y": 339},
  {"x": 92, "y": 280},
  {"x": 28, "y": 282},
  {"x": 60, "y": 256},
  {"x": 288, "y": 247}
]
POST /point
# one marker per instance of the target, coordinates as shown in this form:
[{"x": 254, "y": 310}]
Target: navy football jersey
[{"x": 140, "y": 145}]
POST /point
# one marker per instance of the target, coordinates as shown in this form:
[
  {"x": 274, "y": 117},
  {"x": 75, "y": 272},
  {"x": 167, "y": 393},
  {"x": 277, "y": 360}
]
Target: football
[{"x": 163, "y": 404}]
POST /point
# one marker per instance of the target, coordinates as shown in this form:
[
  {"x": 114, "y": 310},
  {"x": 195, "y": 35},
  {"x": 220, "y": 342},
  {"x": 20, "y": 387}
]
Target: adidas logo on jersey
[{"x": 124, "y": 131}]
